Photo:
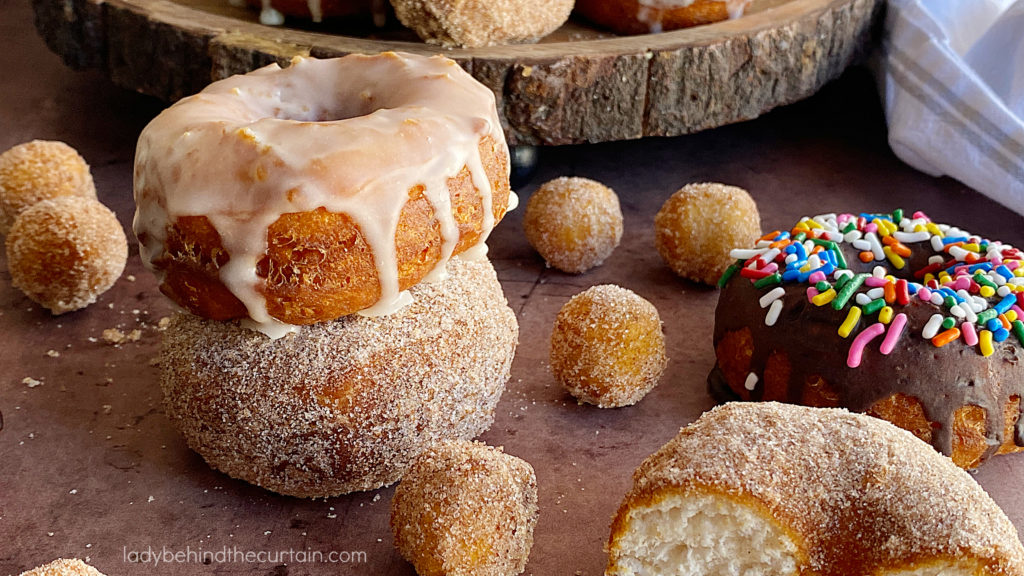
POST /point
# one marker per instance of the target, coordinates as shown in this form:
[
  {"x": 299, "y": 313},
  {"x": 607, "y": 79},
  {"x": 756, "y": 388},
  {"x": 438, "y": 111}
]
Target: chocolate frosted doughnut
[{"x": 913, "y": 321}]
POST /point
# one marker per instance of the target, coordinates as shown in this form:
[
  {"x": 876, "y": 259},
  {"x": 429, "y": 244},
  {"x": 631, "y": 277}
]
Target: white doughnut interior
[
  {"x": 352, "y": 135},
  {"x": 703, "y": 534}
]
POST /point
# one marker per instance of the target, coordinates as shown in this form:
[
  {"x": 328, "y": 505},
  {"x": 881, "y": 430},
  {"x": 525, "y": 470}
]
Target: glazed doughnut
[
  {"x": 465, "y": 509},
  {"x": 305, "y": 194},
  {"x": 652, "y": 16},
  {"x": 475, "y": 24},
  {"x": 780, "y": 489},
  {"x": 913, "y": 321},
  {"x": 64, "y": 567},
  {"x": 344, "y": 405}
]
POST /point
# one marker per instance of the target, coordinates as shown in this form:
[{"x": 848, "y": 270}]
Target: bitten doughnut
[
  {"x": 465, "y": 509},
  {"x": 343, "y": 405},
  {"x": 891, "y": 314},
  {"x": 64, "y": 567},
  {"x": 607, "y": 347},
  {"x": 300, "y": 195},
  {"x": 573, "y": 223},
  {"x": 781, "y": 489},
  {"x": 40, "y": 170},
  {"x": 65, "y": 252},
  {"x": 698, "y": 225},
  {"x": 475, "y": 24},
  {"x": 652, "y": 16}
]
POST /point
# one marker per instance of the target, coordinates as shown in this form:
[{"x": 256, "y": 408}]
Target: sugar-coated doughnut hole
[
  {"x": 64, "y": 567},
  {"x": 475, "y": 24},
  {"x": 607, "y": 347},
  {"x": 64, "y": 252},
  {"x": 700, "y": 224},
  {"x": 573, "y": 223},
  {"x": 39, "y": 170},
  {"x": 465, "y": 509}
]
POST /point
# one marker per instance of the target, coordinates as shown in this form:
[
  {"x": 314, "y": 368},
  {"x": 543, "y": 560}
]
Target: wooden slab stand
[{"x": 560, "y": 91}]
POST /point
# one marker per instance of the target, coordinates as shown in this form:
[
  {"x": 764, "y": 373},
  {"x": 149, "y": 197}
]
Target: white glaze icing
[
  {"x": 351, "y": 135},
  {"x": 647, "y": 10}
]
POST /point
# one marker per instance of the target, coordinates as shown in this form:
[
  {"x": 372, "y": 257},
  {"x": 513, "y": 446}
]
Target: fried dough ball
[
  {"x": 607, "y": 347},
  {"x": 64, "y": 567},
  {"x": 698, "y": 226},
  {"x": 63, "y": 253},
  {"x": 573, "y": 223},
  {"x": 39, "y": 170},
  {"x": 466, "y": 509},
  {"x": 473, "y": 24}
]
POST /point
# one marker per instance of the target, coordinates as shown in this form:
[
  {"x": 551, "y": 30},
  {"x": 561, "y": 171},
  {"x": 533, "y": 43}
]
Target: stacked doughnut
[
  {"x": 333, "y": 195},
  {"x": 892, "y": 314}
]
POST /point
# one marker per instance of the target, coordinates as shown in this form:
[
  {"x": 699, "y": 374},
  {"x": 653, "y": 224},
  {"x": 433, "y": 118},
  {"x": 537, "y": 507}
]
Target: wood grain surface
[{"x": 578, "y": 85}]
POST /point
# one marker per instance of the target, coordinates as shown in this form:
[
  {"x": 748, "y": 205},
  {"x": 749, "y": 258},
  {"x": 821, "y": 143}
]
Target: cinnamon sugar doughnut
[
  {"x": 343, "y": 405},
  {"x": 573, "y": 223},
  {"x": 65, "y": 252},
  {"x": 780, "y": 489},
  {"x": 40, "y": 170},
  {"x": 652, "y": 16},
  {"x": 330, "y": 187},
  {"x": 914, "y": 321},
  {"x": 475, "y": 24},
  {"x": 64, "y": 567},
  {"x": 465, "y": 509}
]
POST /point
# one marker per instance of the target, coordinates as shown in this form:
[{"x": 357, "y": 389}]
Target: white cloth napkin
[{"x": 952, "y": 79}]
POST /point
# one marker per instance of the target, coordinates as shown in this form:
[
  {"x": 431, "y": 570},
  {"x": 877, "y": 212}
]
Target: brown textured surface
[
  {"x": 96, "y": 425},
  {"x": 578, "y": 85}
]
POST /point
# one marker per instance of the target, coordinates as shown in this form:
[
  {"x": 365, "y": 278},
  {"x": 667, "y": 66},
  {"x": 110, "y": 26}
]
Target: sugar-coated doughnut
[
  {"x": 300, "y": 195},
  {"x": 607, "y": 347},
  {"x": 892, "y": 314},
  {"x": 64, "y": 252},
  {"x": 40, "y": 170},
  {"x": 475, "y": 24},
  {"x": 64, "y": 567},
  {"x": 343, "y": 405},
  {"x": 698, "y": 225},
  {"x": 465, "y": 509},
  {"x": 573, "y": 223},
  {"x": 652, "y": 16},
  {"x": 767, "y": 488}
]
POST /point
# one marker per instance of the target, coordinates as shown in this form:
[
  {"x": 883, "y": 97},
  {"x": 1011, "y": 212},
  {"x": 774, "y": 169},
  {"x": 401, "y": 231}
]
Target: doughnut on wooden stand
[{"x": 578, "y": 85}]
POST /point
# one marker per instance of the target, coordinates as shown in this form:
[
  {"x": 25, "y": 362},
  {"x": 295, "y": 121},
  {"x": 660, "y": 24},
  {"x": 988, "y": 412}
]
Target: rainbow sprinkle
[{"x": 976, "y": 284}]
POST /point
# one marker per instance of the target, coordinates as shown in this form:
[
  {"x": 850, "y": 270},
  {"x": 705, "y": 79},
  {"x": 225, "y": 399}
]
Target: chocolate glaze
[{"x": 942, "y": 379}]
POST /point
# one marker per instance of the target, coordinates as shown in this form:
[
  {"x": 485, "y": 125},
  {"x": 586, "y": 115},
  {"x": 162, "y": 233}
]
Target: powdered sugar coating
[
  {"x": 859, "y": 494},
  {"x": 466, "y": 509},
  {"x": 474, "y": 24},
  {"x": 64, "y": 252},
  {"x": 343, "y": 405},
  {"x": 39, "y": 170},
  {"x": 698, "y": 226}
]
